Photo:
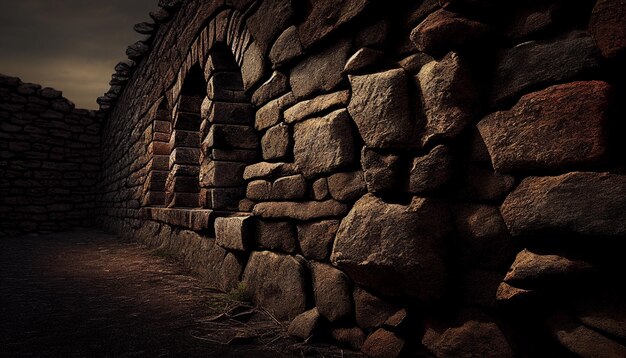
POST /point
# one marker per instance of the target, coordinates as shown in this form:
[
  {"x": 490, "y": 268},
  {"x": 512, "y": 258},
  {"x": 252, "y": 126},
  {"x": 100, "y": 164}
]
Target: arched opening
[
  {"x": 229, "y": 138},
  {"x": 182, "y": 185},
  {"x": 159, "y": 153}
]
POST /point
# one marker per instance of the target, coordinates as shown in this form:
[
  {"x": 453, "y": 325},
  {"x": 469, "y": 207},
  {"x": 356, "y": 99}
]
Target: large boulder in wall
[
  {"x": 276, "y": 282},
  {"x": 394, "y": 249}
]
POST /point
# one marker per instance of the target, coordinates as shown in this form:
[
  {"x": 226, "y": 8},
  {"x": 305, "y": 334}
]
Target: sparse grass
[{"x": 239, "y": 293}]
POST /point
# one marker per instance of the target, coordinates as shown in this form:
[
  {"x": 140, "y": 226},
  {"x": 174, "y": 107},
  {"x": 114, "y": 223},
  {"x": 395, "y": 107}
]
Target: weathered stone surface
[
  {"x": 305, "y": 324},
  {"x": 398, "y": 320},
  {"x": 325, "y": 17},
  {"x": 267, "y": 170},
  {"x": 381, "y": 110},
  {"x": 431, "y": 171},
  {"x": 137, "y": 50},
  {"x": 268, "y": 21},
  {"x": 252, "y": 66},
  {"x": 221, "y": 174},
  {"x": 319, "y": 72},
  {"x": 272, "y": 113},
  {"x": 531, "y": 269},
  {"x": 288, "y": 188},
  {"x": 607, "y": 27},
  {"x": 392, "y": 248},
  {"x": 448, "y": 97},
  {"x": 475, "y": 337},
  {"x": 233, "y": 232},
  {"x": 443, "y": 31},
  {"x": 382, "y": 172},
  {"x": 319, "y": 104},
  {"x": 507, "y": 294},
  {"x": 320, "y": 189},
  {"x": 383, "y": 344},
  {"x": 332, "y": 292},
  {"x": 483, "y": 236},
  {"x": 316, "y": 238},
  {"x": 362, "y": 60},
  {"x": 275, "y": 235},
  {"x": 414, "y": 62},
  {"x": 276, "y": 282},
  {"x": 276, "y": 86},
  {"x": 560, "y": 127},
  {"x": 316, "y": 157},
  {"x": 259, "y": 190},
  {"x": 275, "y": 142},
  {"x": 353, "y": 337},
  {"x": 370, "y": 310},
  {"x": 286, "y": 48},
  {"x": 573, "y": 203},
  {"x": 226, "y": 112},
  {"x": 581, "y": 340},
  {"x": 603, "y": 309},
  {"x": 228, "y": 136},
  {"x": 304, "y": 211},
  {"x": 347, "y": 186},
  {"x": 533, "y": 64}
]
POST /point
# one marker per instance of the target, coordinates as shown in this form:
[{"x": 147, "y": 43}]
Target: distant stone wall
[
  {"x": 49, "y": 160},
  {"x": 436, "y": 178}
]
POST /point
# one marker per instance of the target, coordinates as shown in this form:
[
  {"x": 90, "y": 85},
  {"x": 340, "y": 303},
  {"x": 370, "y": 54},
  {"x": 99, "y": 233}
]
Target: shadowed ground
[{"x": 86, "y": 293}]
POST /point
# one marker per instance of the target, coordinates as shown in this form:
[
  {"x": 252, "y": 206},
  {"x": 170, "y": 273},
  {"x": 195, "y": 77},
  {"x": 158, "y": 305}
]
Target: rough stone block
[
  {"x": 431, "y": 171},
  {"x": 316, "y": 157},
  {"x": 332, "y": 293},
  {"x": 561, "y": 127},
  {"x": 381, "y": 110},
  {"x": 234, "y": 232},
  {"x": 227, "y": 113},
  {"x": 316, "y": 239},
  {"x": 303, "y": 211},
  {"x": 221, "y": 174},
  {"x": 276, "y": 142},
  {"x": 228, "y": 136},
  {"x": 347, "y": 186},
  {"x": 381, "y": 171},
  {"x": 275, "y": 235},
  {"x": 288, "y": 188}
]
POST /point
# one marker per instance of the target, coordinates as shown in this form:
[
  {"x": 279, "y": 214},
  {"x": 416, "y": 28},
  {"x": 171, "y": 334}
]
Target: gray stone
[
  {"x": 286, "y": 48},
  {"x": 533, "y": 64},
  {"x": 443, "y": 31},
  {"x": 381, "y": 110},
  {"x": 382, "y": 172},
  {"x": 276, "y": 86},
  {"x": 448, "y": 97},
  {"x": 347, "y": 186},
  {"x": 275, "y": 235},
  {"x": 319, "y": 104},
  {"x": 431, "y": 171},
  {"x": 332, "y": 292},
  {"x": 305, "y": 324},
  {"x": 288, "y": 188},
  {"x": 319, "y": 72},
  {"x": 560, "y": 127},
  {"x": 316, "y": 238},
  {"x": 580, "y": 203},
  {"x": 314, "y": 156},
  {"x": 530, "y": 269},
  {"x": 233, "y": 232},
  {"x": 394, "y": 249},
  {"x": 371, "y": 311},
  {"x": 277, "y": 283},
  {"x": 303, "y": 211},
  {"x": 272, "y": 112}
]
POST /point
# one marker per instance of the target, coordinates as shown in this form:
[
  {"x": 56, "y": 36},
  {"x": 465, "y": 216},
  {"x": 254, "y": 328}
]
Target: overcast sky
[{"x": 71, "y": 45}]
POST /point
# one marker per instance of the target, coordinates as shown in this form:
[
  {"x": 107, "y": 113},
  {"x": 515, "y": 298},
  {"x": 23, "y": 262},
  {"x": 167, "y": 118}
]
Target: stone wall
[
  {"x": 49, "y": 160},
  {"x": 438, "y": 178}
]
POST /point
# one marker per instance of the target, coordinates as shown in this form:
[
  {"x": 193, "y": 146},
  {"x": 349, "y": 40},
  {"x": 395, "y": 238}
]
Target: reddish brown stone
[
  {"x": 560, "y": 127},
  {"x": 608, "y": 27},
  {"x": 383, "y": 344}
]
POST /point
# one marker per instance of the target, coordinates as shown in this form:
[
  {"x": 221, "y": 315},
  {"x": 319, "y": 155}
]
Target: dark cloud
[{"x": 71, "y": 45}]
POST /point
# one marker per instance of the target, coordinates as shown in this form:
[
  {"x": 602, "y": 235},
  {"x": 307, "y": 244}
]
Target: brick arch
[{"x": 224, "y": 57}]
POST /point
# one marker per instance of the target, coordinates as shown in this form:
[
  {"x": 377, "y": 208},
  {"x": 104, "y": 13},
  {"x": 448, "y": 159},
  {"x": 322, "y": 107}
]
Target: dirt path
[{"x": 86, "y": 293}]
